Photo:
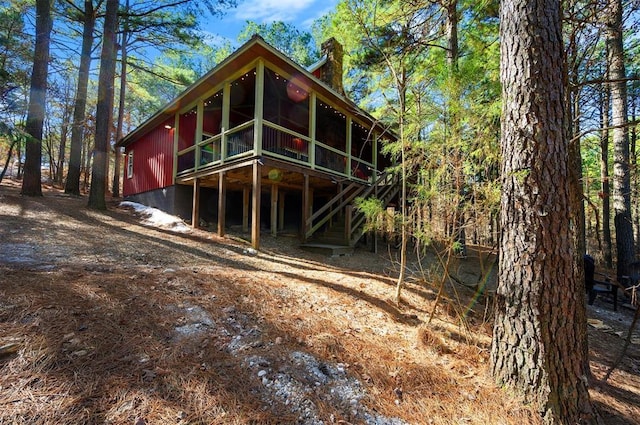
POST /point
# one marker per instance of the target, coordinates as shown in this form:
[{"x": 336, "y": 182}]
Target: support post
[
  {"x": 347, "y": 224},
  {"x": 195, "y": 210},
  {"x": 222, "y": 198},
  {"x": 374, "y": 233},
  {"x": 281, "y": 211},
  {"x": 349, "y": 164},
  {"x": 312, "y": 130},
  {"x": 259, "y": 109},
  {"x": 274, "y": 210},
  {"x": 305, "y": 206},
  {"x": 340, "y": 187},
  {"x": 245, "y": 209},
  {"x": 226, "y": 107},
  {"x": 255, "y": 207},
  {"x": 199, "y": 117}
]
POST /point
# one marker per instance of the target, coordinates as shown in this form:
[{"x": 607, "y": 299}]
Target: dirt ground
[{"x": 106, "y": 320}]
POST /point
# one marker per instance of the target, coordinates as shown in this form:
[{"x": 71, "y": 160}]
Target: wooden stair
[
  {"x": 332, "y": 241},
  {"x": 336, "y": 228}
]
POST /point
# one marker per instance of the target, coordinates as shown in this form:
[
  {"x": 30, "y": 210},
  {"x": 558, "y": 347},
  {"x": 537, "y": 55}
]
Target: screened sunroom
[{"x": 260, "y": 142}]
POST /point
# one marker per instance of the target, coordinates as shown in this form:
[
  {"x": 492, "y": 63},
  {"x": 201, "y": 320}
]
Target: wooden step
[{"x": 327, "y": 249}]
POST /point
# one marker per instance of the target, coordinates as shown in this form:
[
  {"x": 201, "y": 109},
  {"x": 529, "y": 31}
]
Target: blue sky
[{"x": 300, "y": 13}]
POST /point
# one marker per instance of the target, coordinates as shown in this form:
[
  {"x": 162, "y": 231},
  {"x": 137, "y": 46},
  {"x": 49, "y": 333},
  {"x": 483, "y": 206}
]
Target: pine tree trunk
[
  {"x": 604, "y": 176},
  {"x": 64, "y": 130},
  {"x": 451, "y": 30},
  {"x": 115, "y": 187},
  {"x": 539, "y": 327},
  {"x": 576, "y": 199},
  {"x": 634, "y": 167},
  {"x": 576, "y": 191},
  {"x": 104, "y": 108},
  {"x": 31, "y": 183},
  {"x": 72, "y": 185},
  {"x": 621, "y": 172}
]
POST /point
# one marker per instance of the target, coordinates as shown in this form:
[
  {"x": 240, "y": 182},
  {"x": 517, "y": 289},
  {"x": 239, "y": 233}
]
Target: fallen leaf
[
  {"x": 598, "y": 324},
  {"x": 8, "y": 349}
]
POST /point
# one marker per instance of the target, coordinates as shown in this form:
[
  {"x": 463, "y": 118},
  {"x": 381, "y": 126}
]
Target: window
[{"x": 130, "y": 164}]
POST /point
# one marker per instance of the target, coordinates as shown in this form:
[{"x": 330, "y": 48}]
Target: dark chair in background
[{"x": 595, "y": 287}]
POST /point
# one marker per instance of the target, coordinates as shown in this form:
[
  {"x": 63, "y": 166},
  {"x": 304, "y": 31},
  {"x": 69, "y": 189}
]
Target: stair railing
[
  {"x": 354, "y": 219},
  {"x": 343, "y": 198}
]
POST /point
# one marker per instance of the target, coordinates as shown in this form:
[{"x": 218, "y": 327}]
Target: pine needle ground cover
[{"x": 106, "y": 320}]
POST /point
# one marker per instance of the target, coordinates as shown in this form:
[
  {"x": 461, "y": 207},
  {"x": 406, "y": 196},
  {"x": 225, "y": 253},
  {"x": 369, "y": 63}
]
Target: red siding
[{"x": 152, "y": 161}]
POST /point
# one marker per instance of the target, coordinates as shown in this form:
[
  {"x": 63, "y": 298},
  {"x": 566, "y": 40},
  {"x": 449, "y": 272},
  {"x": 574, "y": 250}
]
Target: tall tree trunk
[
  {"x": 621, "y": 172},
  {"x": 31, "y": 183},
  {"x": 72, "y": 185},
  {"x": 451, "y": 31},
  {"x": 115, "y": 187},
  {"x": 604, "y": 175},
  {"x": 87, "y": 154},
  {"x": 576, "y": 198},
  {"x": 576, "y": 191},
  {"x": 402, "y": 95},
  {"x": 19, "y": 155},
  {"x": 14, "y": 142},
  {"x": 64, "y": 131},
  {"x": 104, "y": 108},
  {"x": 634, "y": 167},
  {"x": 538, "y": 332}
]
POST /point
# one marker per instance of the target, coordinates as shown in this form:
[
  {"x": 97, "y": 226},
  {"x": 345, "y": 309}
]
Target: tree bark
[
  {"x": 64, "y": 132},
  {"x": 14, "y": 142},
  {"x": 576, "y": 187},
  {"x": 104, "y": 108},
  {"x": 621, "y": 172},
  {"x": 31, "y": 183},
  {"x": 538, "y": 337},
  {"x": 451, "y": 31},
  {"x": 634, "y": 167},
  {"x": 72, "y": 185},
  {"x": 604, "y": 176},
  {"x": 115, "y": 186}
]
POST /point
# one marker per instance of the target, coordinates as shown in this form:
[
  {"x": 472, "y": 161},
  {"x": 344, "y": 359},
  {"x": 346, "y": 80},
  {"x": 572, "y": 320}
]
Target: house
[{"x": 261, "y": 142}]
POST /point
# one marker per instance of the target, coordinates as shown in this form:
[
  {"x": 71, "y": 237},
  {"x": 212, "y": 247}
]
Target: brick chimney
[{"x": 331, "y": 71}]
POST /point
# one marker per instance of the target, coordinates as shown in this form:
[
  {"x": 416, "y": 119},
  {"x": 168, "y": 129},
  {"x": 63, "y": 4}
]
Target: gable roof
[{"x": 254, "y": 48}]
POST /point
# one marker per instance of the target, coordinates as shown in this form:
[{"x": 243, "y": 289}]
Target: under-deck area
[{"x": 267, "y": 194}]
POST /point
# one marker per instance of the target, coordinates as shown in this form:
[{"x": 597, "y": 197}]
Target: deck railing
[
  {"x": 210, "y": 152},
  {"x": 239, "y": 141},
  {"x": 283, "y": 143},
  {"x": 278, "y": 142},
  {"x": 331, "y": 159}
]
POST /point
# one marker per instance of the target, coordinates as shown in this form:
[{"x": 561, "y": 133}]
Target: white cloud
[
  {"x": 272, "y": 10},
  {"x": 214, "y": 39},
  {"x": 306, "y": 24}
]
